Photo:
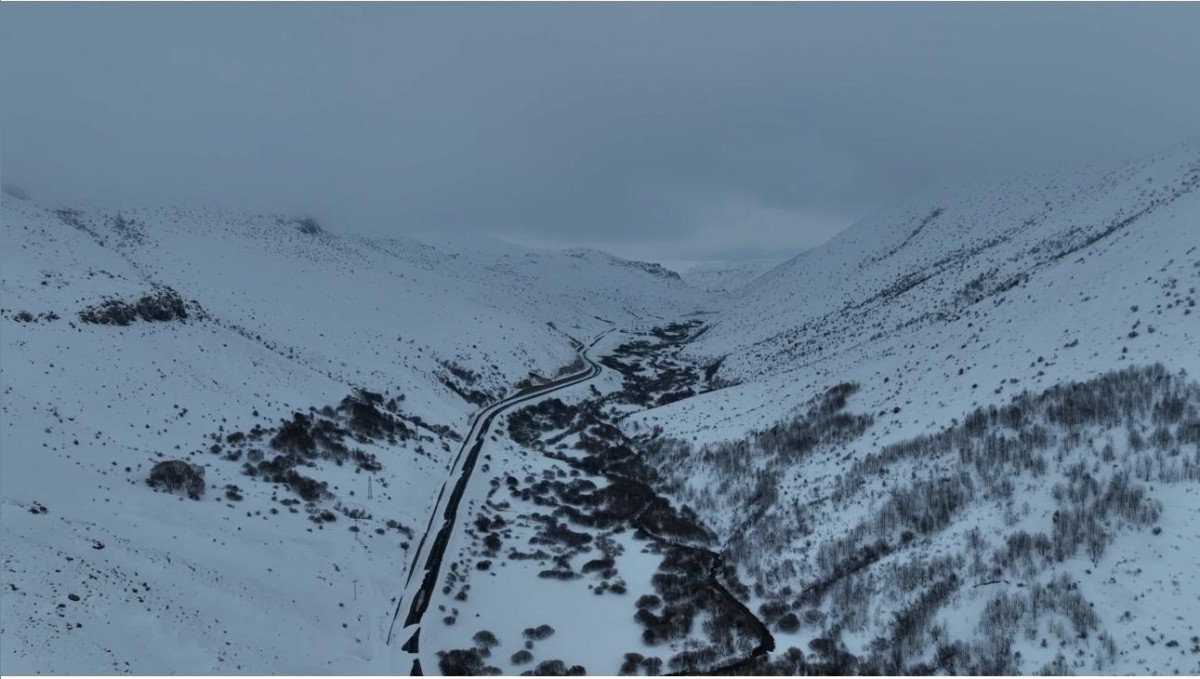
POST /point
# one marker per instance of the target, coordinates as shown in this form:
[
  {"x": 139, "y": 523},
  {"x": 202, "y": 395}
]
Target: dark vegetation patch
[
  {"x": 465, "y": 382},
  {"x": 526, "y": 425},
  {"x": 323, "y": 435},
  {"x": 690, "y": 584},
  {"x": 1100, "y": 488},
  {"x": 464, "y": 663},
  {"x": 471, "y": 661},
  {"x": 555, "y": 668},
  {"x": 160, "y": 305},
  {"x": 178, "y": 475},
  {"x": 291, "y": 454},
  {"x": 824, "y": 423},
  {"x": 711, "y": 378},
  {"x": 539, "y": 633},
  {"x": 995, "y": 443},
  {"x": 30, "y": 317},
  {"x": 650, "y": 372}
]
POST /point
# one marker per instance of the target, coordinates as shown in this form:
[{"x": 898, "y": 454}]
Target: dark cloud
[{"x": 678, "y": 131}]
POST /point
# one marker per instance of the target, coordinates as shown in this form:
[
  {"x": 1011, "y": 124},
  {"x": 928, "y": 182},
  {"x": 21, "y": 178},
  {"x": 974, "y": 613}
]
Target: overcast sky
[{"x": 661, "y": 131}]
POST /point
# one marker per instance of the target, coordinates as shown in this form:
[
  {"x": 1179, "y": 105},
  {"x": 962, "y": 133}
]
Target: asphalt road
[{"x": 447, "y": 505}]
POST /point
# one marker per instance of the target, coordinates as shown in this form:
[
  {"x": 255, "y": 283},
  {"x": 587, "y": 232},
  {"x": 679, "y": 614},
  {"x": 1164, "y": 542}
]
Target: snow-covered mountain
[
  {"x": 890, "y": 378},
  {"x": 977, "y": 278},
  {"x": 964, "y": 435},
  {"x": 210, "y": 325},
  {"x": 727, "y": 276}
]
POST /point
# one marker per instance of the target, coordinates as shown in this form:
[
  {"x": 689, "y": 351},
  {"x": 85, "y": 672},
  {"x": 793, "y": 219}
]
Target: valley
[{"x": 961, "y": 437}]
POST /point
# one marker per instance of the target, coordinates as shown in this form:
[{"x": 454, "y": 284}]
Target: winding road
[
  {"x": 418, "y": 591},
  {"x": 428, "y": 558}
]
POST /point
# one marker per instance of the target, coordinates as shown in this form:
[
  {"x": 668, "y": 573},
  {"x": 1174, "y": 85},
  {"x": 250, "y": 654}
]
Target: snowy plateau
[{"x": 961, "y": 437}]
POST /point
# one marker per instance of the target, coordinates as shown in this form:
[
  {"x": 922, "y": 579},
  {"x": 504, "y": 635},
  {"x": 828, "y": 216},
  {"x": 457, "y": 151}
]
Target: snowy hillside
[
  {"x": 208, "y": 332},
  {"x": 727, "y": 276},
  {"x": 982, "y": 279},
  {"x": 894, "y": 378}
]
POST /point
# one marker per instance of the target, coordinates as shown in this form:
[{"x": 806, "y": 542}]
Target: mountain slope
[
  {"x": 253, "y": 347},
  {"x": 961, "y": 435},
  {"x": 983, "y": 279},
  {"x": 727, "y": 276}
]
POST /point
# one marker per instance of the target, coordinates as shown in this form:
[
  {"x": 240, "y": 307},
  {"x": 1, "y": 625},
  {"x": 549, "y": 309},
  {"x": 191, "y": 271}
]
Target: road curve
[{"x": 447, "y": 504}]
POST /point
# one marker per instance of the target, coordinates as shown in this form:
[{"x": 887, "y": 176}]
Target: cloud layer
[{"x": 672, "y": 131}]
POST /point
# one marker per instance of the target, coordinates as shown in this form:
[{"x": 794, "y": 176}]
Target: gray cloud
[{"x": 672, "y": 131}]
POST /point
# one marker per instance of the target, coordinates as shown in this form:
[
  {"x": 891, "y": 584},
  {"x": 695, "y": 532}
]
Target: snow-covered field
[{"x": 956, "y": 300}]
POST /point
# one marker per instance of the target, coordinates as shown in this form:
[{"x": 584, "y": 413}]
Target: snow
[
  {"x": 821, "y": 319},
  {"x": 1078, "y": 274},
  {"x": 294, "y": 321},
  {"x": 727, "y": 276},
  {"x": 958, "y": 298}
]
